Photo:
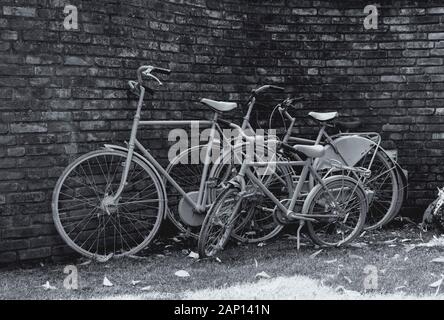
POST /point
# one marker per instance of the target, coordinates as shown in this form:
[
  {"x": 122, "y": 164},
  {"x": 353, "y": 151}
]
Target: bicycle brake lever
[{"x": 148, "y": 74}]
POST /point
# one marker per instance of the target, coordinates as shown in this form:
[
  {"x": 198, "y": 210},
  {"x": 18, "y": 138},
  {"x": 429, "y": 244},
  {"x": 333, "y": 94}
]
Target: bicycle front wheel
[
  {"x": 88, "y": 219},
  {"x": 219, "y": 222},
  {"x": 340, "y": 207}
]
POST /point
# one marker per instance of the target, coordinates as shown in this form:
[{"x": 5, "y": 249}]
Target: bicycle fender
[
  {"x": 149, "y": 164},
  {"x": 402, "y": 173},
  {"x": 352, "y": 148}
]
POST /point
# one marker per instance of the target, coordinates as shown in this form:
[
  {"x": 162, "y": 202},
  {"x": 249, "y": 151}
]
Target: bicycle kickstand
[{"x": 298, "y": 233}]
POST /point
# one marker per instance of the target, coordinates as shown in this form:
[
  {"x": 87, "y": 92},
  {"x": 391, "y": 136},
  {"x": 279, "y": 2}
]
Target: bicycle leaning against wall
[{"x": 111, "y": 202}]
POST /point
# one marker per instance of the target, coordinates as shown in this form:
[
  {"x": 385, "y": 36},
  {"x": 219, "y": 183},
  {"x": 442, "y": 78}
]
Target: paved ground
[{"x": 391, "y": 263}]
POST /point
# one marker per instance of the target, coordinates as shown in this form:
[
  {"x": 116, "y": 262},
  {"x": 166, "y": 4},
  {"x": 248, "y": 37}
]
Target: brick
[
  {"x": 393, "y": 78},
  {"x": 28, "y": 127},
  {"x": 9, "y": 35},
  {"x": 32, "y": 254},
  {"x": 436, "y": 36},
  {"x": 8, "y": 257},
  {"x": 19, "y": 11}
]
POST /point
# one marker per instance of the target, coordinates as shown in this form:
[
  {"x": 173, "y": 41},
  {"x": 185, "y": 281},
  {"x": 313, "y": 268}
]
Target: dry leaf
[
  {"x": 255, "y": 263},
  {"x": 218, "y": 260},
  {"x": 193, "y": 255},
  {"x": 348, "y": 279},
  {"x": 146, "y": 288},
  {"x": 261, "y": 244},
  {"x": 182, "y": 273},
  {"x": 436, "y": 284},
  {"x": 263, "y": 274},
  {"x": 135, "y": 282},
  {"x": 331, "y": 261},
  {"x": 106, "y": 282},
  {"x": 85, "y": 263},
  {"x": 314, "y": 255},
  {"x": 358, "y": 245},
  {"x": 47, "y": 286},
  {"x": 438, "y": 260}
]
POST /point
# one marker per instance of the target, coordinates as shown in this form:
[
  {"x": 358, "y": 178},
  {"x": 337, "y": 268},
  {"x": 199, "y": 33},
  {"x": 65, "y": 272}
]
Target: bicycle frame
[
  {"x": 373, "y": 137},
  {"x": 199, "y": 205}
]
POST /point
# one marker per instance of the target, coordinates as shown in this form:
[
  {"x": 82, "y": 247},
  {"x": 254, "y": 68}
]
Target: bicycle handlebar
[
  {"x": 148, "y": 72},
  {"x": 267, "y": 87}
]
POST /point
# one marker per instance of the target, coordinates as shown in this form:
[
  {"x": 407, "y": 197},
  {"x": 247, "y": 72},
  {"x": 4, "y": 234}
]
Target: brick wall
[{"x": 63, "y": 93}]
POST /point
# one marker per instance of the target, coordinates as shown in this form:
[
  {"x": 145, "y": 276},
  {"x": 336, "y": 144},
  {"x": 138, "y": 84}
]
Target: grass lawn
[{"x": 400, "y": 269}]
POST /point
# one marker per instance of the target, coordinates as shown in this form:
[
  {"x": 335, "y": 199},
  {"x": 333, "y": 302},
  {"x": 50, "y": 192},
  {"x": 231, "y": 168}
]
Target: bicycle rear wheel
[
  {"x": 384, "y": 184},
  {"x": 344, "y": 201},
  {"x": 90, "y": 222}
]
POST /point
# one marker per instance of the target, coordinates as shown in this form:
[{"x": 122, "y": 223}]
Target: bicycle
[
  {"x": 361, "y": 149},
  {"x": 340, "y": 199},
  {"x": 111, "y": 202},
  {"x": 182, "y": 169}
]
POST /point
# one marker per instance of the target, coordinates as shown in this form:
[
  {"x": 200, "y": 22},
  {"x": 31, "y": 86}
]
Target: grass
[{"x": 399, "y": 270}]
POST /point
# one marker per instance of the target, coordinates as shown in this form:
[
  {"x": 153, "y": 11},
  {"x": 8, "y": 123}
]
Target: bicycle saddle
[
  {"x": 219, "y": 105},
  {"x": 347, "y": 125},
  {"x": 311, "y": 151},
  {"x": 323, "y": 116}
]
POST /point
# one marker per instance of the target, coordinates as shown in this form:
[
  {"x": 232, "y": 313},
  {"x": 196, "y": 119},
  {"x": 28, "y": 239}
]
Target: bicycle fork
[{"x": 131, "y": 145}]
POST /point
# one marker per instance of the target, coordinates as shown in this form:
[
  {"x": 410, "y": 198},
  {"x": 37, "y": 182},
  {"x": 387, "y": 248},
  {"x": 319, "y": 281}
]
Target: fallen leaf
[
  {"x": 435, "y": 242},
  {"x": 331, "y": 261},
  {"x": 438, "y": 260},
  {"x": 437, "y": 284},
  {"x": 47, "y": 286},
  {"x": 85, "y": 263},
  {"x": 182, "y": 273},
  {"x": 263, "y": 274},
  {"x": 348, "y": 279},
  {"x": 193, "y": 255},
  {"x": 358, "y": 245},
  {"x": 146, "y": 288},
  {"x": 314, "y": 255},
  {"x": 255, "y": 263},
  {"x": 390, "y": 241},
  {"x": 218, "y": 260},
  {"x": 135, "y": 282},
  {"x": 176, "y": 240},
  {"x": 261, "y": 244},
  {"x": 106, "y": 282}
]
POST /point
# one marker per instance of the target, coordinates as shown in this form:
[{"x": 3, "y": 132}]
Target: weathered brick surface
[{"x": 62, "y": 93}]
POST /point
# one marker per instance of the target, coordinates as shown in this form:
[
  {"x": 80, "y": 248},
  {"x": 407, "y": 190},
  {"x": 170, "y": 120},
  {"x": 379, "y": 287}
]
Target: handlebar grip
[{"x": 161, "y": 70}]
